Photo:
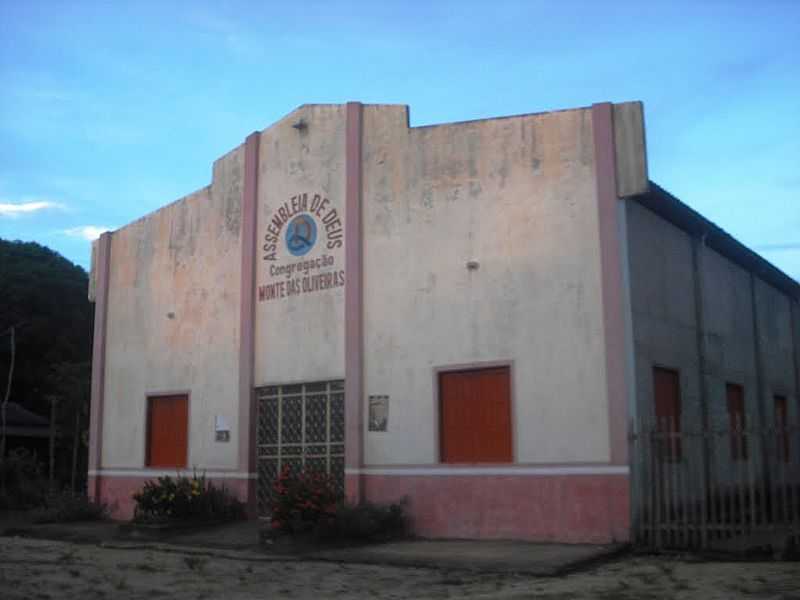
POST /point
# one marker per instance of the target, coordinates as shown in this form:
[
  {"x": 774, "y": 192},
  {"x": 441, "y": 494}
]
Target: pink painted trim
[
  {"x": 102, "y": 273},
  {"x": 557, "y": 508},
  {"x": 473, "y": 366},
  {"x": 612, "y": 281},
  {"x": 247, "y": 409},
  {"x": 353, "y": 300},
  {"x": 456, "y": 467},
  {"x": 149, "y": 472}
]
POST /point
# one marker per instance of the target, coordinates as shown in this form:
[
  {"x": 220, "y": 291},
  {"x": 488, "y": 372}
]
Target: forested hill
[{"x": 44, "y": 296}]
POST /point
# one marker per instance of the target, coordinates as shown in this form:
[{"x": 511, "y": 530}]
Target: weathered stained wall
[
  {"x": 662, "y": 303},
  {"x": 300, "y": 326},
  {"x": 518, "y": 196},
  {"x": 173, "y": 319},
  {"x": 664, "y": 286},
  {"x": 729, "y": 336}
]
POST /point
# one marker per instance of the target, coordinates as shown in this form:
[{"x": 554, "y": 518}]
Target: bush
[
  {"x": 26, "y": 487},
  {"x": 301, "y": 500},
  {"x": 67, "y": 507},
  {"x": 366, "y": 522},
  {"x": 307, "y": 503},
  {"x": 185, "y": 499}
]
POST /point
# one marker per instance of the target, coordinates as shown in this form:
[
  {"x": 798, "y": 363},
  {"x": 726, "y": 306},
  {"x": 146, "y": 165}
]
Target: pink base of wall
[
  {"x": 559, "y": 508},
  {"x": 118, "y": 492}
]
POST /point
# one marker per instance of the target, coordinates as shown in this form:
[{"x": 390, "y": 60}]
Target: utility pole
[
  {"x": 5, "y": 405},
  {"x": 75, "y": 442},
  {"x": 51, "y": 476}
]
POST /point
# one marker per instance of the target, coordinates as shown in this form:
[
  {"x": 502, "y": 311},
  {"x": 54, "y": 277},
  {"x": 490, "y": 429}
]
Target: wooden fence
[{"x": 736, "y": 488}]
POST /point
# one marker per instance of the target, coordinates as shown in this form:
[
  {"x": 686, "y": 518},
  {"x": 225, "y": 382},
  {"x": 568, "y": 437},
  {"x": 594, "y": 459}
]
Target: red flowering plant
[{"x": 301, "y": 500}]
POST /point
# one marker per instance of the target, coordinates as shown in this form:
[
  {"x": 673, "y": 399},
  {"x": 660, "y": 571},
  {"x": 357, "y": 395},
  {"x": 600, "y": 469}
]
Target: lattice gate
[{"x": 302, "y": 426}]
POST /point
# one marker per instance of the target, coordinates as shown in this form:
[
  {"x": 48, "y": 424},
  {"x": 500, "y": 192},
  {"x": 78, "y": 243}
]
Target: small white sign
[
  {"x": 222, "y": 432},
  {"x": 221, "y": 424}
]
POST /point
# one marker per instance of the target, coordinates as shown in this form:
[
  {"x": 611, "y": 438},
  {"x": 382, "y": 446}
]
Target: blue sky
[{"x": 109, "y": 110}]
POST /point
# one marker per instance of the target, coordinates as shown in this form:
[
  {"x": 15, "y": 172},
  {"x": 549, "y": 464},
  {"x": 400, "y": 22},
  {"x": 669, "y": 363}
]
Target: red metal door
[
  {"x": 667, "y": 393},
  {"x": 781, "y": 423},
  {"x": 167, "y": 431},
  {"x": 475, "y": 408},
  {"x": 737, "y": 420}
]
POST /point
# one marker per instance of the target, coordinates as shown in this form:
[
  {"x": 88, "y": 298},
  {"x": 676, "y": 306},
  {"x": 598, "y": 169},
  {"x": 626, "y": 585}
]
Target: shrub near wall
[
  {"x": 301, "y": 501},
  {"x": 183, "y": 499},
  {"x": 66, "y": 507},
  {"x": 308, "y": 504},
  {"x": 25, "y": 485}
]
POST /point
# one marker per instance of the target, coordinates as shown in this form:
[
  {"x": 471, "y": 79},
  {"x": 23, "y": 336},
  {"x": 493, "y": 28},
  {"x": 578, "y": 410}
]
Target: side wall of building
[
  {"x": 173, "y": 327},
  {"x": 678, "y": 282}
]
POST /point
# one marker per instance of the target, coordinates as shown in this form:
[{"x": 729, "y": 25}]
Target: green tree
[{"x": 47, "y": 295}]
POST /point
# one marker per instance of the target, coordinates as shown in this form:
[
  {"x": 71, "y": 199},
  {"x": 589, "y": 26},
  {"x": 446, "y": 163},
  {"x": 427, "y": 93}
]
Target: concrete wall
[
  {"x": 518, "y": 196},
  {"x": 663, "y": 295},
  {"x": 173, "y": 319},
  {"x": 663, "y": 308},
  {"x": 299, "y": 326},
  {"x": 729, "y": 338},
  {"x": 776, "y": 345}
]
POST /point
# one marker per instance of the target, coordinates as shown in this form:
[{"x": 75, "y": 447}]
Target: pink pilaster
[
  {"x": 612, "y": 280},
  {"x": 247, "y": 402},
  {"x": 353, "y": 302},
  {"x": 102, "y": 272}
]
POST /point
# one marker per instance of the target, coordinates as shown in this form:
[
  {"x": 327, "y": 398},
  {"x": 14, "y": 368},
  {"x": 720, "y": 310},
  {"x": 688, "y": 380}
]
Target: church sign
[{"x": 301, "y": 225}]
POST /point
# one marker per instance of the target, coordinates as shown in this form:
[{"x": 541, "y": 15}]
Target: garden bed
[
  {"x": 184, "y": 501},
  {"x": 307, "y": 513}
]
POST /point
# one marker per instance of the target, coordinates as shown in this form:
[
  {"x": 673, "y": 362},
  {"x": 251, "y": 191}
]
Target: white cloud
[
  {"x": 15, "y": 209},
  {"x": 87, "y": 232}
]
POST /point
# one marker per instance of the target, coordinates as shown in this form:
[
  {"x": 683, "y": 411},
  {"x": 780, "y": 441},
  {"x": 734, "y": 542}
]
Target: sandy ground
[{"x": 45, "y": 569}]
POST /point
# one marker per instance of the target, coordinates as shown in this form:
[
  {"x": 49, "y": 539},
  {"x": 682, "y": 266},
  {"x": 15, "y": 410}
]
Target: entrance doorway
[{"x": 300, "y": 426}]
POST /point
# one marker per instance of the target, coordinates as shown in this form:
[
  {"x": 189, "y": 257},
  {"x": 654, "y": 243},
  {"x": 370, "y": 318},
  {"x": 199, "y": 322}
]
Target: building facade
[{"x": 464, "y": 315}]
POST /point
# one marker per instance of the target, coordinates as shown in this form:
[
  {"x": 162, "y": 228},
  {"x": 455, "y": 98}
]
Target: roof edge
[{"x": 667, "y": 206}]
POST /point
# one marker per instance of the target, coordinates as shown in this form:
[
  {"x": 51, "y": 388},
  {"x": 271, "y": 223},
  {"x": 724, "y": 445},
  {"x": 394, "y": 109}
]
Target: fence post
[
  {"x": 685, "y": 494},
  {"x": 740, "y": 475},
  {"x": 704, "y": 492},
  {"x": 751, "y": 484},
  {"x": 651, "y": 491},
  {"x": 657, "y": 470},
  {"x": 675, "y": 466},
  {"x": 637, "y": 488}
]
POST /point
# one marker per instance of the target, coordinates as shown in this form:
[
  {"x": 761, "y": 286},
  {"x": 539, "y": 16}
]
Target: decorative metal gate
[{"x": 300, "y": 426}]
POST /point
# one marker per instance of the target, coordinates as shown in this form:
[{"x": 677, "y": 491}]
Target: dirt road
[{"x": 44, "y": 569}]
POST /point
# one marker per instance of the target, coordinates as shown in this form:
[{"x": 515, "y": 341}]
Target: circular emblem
[{"x": 301, "y": 234}]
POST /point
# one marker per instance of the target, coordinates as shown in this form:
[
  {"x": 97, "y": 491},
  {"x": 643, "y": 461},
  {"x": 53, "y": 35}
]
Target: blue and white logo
[{"x": 301, "y": 235}]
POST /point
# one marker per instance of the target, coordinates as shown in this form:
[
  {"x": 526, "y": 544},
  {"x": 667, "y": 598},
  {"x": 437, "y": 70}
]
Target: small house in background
[
  {"x": 481, "y": 317},
  {"x": 28, "y": 430}
]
